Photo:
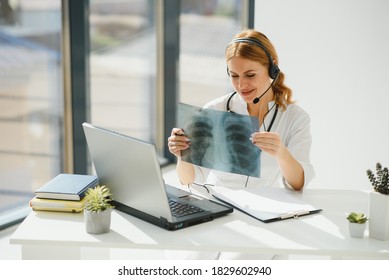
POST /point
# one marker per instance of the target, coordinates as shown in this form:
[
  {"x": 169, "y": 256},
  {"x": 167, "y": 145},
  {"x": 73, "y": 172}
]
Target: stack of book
[{"x": 64, "y": 193}]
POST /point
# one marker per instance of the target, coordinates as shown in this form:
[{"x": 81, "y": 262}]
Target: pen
[
  {"x": 190, "y": 190},
  {"x": 294, "y": 214}
]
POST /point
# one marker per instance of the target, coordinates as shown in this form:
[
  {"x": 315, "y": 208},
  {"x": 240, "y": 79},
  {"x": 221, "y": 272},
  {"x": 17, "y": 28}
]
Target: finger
[
  {"x": 267, "y": 142},
  {"x": 178, "y": 145},
  {"x": 178, "y": 140},
  {"x": 178, "y": 131},
  {"x": 259, "y": 140},
  {"x": 267, "y": 146},
  {"x": 176, "y": 150},
  {"x": 265, "y": 135}
]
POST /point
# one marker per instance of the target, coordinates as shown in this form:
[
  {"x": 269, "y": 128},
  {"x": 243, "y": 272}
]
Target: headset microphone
[{"x": 256, "y": 99}]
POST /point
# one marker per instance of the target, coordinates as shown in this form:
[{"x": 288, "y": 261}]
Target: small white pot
[
  {"x": 356, "y": 230},
  {"x": 97, "y": 222}
]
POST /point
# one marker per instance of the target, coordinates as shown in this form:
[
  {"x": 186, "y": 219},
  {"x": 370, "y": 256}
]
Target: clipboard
[{"x": 268, "y": 204}]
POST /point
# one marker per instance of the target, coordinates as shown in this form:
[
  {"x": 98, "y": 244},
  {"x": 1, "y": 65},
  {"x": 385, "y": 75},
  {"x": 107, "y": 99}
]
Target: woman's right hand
[{"x": 178, "y": 141}]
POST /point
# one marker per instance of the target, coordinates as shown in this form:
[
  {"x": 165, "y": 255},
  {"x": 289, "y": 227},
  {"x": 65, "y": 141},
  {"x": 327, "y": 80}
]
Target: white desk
[{"x": 45, "y": 235}]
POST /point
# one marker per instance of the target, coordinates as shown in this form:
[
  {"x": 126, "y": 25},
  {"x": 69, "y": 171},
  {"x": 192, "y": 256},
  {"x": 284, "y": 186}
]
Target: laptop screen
[{"x": 130, "y": 168}]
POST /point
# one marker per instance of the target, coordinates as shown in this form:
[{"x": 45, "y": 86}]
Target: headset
[{"x": 273, "y": 68}]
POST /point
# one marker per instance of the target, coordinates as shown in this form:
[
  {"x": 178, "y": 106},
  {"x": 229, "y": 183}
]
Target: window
[
  {"x": 122, "y": 65},
  {"x": 31, "y": 112},
  {"x": 125, "y": 90},
  {"x": 206, "y": 29}
]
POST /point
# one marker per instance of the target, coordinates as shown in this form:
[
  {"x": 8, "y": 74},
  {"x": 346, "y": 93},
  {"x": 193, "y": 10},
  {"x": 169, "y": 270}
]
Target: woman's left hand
[{"x": 269, "y": 142}]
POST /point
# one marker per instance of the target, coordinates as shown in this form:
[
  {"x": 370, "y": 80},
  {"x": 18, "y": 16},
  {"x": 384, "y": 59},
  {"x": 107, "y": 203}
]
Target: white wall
[{"x": 335, "y": 55}]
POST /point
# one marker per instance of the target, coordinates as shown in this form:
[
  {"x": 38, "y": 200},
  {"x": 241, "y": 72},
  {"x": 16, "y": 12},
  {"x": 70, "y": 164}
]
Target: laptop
[{"x": 130, "y": 168}]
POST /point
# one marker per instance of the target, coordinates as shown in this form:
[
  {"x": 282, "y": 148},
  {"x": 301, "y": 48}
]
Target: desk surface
[{"x": 325, "y": 233}]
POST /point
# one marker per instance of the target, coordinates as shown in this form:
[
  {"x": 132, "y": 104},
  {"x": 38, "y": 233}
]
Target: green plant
[
  {"x": 358, "y": 218},
  {"x": 380, "y": 180},
  {"x": 98, "y": 199}
]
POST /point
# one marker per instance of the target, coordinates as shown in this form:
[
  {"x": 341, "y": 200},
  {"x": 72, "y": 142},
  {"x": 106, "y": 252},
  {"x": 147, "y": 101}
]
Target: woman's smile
[{"x": 246, "y": 93}]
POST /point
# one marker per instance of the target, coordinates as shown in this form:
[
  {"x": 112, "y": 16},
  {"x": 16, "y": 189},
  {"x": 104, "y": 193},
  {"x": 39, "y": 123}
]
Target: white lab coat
[{"x": 293, "y": 126}]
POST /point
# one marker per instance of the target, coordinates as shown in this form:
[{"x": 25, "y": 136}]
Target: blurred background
[{"x": 121, "y": 87}]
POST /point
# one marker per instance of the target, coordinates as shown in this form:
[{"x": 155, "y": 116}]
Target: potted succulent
[
  {"x": 357, "y": 224},
  {"x": 379, "y": 203},
  {"x": 97, "y": 211}
]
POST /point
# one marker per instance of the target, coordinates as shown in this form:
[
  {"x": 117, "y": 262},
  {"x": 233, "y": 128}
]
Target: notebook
[{"x": 130, "y": 168}]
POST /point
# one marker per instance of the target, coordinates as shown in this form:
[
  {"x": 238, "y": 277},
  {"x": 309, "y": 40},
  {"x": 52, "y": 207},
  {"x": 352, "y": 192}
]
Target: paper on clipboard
[{"x": 267, "y": 204}]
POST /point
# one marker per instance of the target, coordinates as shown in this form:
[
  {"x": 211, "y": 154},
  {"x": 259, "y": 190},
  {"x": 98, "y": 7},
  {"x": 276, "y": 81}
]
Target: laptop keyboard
[{"x": 180, "y": 209}]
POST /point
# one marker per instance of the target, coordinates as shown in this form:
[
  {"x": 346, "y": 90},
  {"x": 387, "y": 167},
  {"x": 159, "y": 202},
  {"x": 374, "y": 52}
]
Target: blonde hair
[{"x": 247, "y": 50}]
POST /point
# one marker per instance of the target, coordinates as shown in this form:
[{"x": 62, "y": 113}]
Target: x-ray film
[{"x": 220, "y": 140}]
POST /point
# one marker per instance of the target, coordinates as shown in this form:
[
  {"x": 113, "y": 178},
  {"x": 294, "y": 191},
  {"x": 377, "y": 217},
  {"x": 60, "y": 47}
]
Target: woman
[{"x": 284, "y": 135}]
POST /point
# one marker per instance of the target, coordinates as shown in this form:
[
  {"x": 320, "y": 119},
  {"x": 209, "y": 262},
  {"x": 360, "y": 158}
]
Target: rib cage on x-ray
[
  {"x": 220, "y": 140},
  {"x": 199, "y": 131},
  {"x": 244, "y": 155}
]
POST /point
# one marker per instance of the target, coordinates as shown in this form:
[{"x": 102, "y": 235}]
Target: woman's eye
[{"x": 250, "y": 75}]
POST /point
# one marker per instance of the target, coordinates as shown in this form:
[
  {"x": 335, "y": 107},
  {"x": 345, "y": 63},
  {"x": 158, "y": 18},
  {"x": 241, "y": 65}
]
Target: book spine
[
  {"x": 56, "y": 203},
  {"x": 69, "y": 210}
]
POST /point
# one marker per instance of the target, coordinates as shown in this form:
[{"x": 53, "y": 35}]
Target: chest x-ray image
[{"x": 220, "y": 140}]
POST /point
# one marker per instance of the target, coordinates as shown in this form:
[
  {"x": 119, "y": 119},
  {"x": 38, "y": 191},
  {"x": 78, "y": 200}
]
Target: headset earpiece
[{"x": 274, "y": 71}]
